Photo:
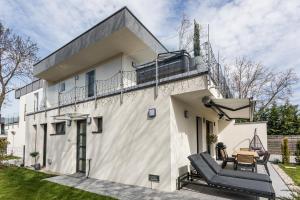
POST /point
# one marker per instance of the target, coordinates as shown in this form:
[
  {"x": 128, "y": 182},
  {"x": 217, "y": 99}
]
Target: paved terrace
[{"x": 130, "y": 192}]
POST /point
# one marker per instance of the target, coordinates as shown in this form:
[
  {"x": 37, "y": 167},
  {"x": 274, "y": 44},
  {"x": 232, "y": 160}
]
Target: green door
[{"x": 81, "y": 146}]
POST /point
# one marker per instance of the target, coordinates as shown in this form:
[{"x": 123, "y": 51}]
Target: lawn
[
  {"x": 20, "y": 184},
  {"x": 293, "y": 171}
]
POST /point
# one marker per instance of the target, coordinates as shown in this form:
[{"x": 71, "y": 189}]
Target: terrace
[{"x": 168, "y": 67}]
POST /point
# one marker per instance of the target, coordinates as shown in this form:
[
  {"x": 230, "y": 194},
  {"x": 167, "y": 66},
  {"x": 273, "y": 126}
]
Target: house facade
[{"x": 115, "y": 104}]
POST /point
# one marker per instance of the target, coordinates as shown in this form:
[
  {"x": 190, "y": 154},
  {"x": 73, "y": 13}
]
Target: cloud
[
  {"x": 53, "y": 23},
  {"x": 266, "y": 31}
]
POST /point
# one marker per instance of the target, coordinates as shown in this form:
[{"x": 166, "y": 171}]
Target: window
[
  {"x": 99, "y": 124},
  {"x": 90, "y": 83},
  {"x": 36, "y": 101},
  {"x": 62, "y": 87},
  {"x": 60, "y": 128}
]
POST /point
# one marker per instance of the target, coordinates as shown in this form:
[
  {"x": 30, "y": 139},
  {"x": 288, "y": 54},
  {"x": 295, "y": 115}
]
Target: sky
[{"x": 265, "y": 31}]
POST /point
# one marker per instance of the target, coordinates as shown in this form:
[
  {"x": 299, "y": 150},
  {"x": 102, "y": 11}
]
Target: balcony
[{"x": 171, "y": 66}]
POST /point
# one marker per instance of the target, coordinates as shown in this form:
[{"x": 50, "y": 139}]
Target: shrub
[
  {"x": 34, "y": 154},
  {"x": 297, "y": 153},
  {"x": 285, "y": 151},
  {"x": 3, "y": 146}
]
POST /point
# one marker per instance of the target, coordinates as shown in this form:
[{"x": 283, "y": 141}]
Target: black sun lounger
[
  {"x": 240, "y": 185},
  {"x": 233, "y": 173}
]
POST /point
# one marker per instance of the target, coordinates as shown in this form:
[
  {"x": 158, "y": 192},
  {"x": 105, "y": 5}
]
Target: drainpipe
[{"x": 89, "y": 168}]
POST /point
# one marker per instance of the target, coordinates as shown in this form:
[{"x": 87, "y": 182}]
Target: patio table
[{"x": 249, "y": 153}]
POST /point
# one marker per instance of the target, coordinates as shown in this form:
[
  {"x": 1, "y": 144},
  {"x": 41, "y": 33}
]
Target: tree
[
  {"x": 196, "y": 39},
  {"x": 249, "y": 79},
  {"x": 184, "y": 35},
  {"x": 17, "y": 56},
  {"x": 285, "y": 152},
  {"x": 282, "y": 119}
]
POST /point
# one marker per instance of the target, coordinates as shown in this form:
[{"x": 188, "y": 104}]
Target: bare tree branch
[
  {"x": 250, "y": 79},
  {"x": 184, "y": 34},
  {"x": 17, "y": 56}
]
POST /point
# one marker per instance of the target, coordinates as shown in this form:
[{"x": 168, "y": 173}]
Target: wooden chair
[
  {"x": 225, "y": 158},
  {"x": 245, "y": 161},
  {"x": 264, "y": 161}
]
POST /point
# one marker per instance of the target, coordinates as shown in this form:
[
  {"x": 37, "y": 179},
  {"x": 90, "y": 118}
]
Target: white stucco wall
[
  {"x": 16, "y": 139},
  {"x": 184, "y": 135},
  {"x": 105, "y": 71},
  {"x": 131, "y": 146},
  {"x": 236, "y": 136}
]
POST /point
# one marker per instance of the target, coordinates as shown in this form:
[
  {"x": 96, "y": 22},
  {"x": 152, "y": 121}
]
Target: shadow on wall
[
  {"x": 132, "y": 148},
  {"x": 184, "y": 133}
]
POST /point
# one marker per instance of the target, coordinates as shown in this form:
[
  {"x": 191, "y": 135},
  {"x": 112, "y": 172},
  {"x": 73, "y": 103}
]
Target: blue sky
[{"x": 266, "y": 31}]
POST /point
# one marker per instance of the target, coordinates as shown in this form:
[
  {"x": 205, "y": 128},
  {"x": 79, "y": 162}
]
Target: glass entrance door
[{"x": 81, "y": 146}]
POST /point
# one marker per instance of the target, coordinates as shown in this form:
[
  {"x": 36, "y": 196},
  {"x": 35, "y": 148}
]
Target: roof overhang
[
  {"x": 120, "y": 33},
  {"x": 232, "y": 108}
]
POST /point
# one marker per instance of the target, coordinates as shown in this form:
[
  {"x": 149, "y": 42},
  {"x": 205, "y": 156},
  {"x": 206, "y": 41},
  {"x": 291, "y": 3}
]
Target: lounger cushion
[
  {"x": 246, "y": 175},
  {"x": 233, "y": 173},
  {"x": 252, "y": 186},
  {"x": 201, "y": 167},
  {"x": 211, "y": 162}
]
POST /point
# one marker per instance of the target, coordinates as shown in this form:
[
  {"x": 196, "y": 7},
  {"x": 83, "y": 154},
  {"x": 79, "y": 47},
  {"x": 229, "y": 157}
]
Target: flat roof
[{"x": 98, "y": 24}]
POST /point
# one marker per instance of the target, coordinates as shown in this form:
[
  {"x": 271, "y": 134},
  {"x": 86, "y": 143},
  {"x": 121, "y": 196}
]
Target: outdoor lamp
[
  {"x": 186, "y": 114},
  {"x": 89, "y": 120}
]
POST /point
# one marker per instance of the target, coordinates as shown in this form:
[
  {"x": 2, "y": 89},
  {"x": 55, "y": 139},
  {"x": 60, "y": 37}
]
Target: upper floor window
[
  {"x": 90, "y": 83},
  {"x": 36, "y": 101},
  {"x": 62, "y": 87}
]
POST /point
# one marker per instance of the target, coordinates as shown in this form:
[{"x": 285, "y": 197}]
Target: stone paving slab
[
  {"x": 130, "y": 192},
  {"x": 192, "y": 192}
]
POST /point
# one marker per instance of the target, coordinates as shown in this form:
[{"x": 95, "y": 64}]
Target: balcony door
[{"x": 90, "y": 83}]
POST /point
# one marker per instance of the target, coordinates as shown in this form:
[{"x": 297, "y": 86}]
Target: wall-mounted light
[
  {"x": 69, "y": 122},
  {"x": 89, "y": 120},
  {"x": 151, "y": 112},
  {"x": 186, "y": 114}
]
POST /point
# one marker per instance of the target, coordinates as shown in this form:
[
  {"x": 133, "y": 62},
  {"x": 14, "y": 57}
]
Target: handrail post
[
  {"x": 121, "y": 85},
  {"x": 75, "y": 97},
  {"x": 58, "y": 103},
  {"x": 156, "y": 77},
  {"x": 95, "y": 94}
]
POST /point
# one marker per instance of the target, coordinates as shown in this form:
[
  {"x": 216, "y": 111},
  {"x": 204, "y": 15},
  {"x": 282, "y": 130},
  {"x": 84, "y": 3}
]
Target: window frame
[
  {"x": 91, "y": 73},
  {"x": 55, "y": 128},
  {"x": 99, "y": 129},
  {"x": 62, "y": 87}
]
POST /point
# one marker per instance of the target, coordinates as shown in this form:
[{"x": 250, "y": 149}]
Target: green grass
[
  {"x": 24, "y": 184},
  {"x": 10, "y": 157},
  {"x": 293, "y": 173}
]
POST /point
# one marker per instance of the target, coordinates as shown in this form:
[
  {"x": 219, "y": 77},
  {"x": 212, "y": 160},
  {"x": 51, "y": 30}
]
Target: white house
[{"x": 116, "y": 105}]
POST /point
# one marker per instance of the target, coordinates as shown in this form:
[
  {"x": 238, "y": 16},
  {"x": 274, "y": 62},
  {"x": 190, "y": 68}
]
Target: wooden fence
[{"x": 275, "y": 141}]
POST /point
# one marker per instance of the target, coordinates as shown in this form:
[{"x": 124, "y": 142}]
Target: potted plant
[
  {"x": 35, "y": 154},
  {"x": 212, "y": 138},
  {"x": 297, "y": 153}
]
